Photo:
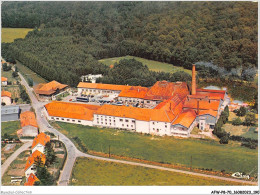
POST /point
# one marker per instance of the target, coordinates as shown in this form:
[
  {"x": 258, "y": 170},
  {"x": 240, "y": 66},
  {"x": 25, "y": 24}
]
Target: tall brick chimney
[
  {"x": 198, "y": 107},
  {"x": 193, "y": 82}
]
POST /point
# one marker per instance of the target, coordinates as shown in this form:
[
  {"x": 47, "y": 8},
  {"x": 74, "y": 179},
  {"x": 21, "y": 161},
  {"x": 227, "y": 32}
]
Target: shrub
[
  {"x": 241, "y": 111},
  {"x": 224, "y": 139},
  {"x": 250, "y": 119},
  {"x": 237, "y": 121}
]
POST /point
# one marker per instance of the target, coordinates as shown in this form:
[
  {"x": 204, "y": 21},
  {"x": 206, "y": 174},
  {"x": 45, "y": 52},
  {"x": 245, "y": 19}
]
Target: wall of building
[
  {"x": 30, "y": 170},
  {"x": 6, "y": 100},
  {"x": 4, "y": 83},
  {"x": 71, "y": 120},
  {"x": 97, "y": 91},
  {"x": 30, "y": 130},
  {"x": 114, "y": 122},
  {"x": 38, "y": 147},
  {"x": 180, "y": 130},
  {"x": 160, "y": 128},
  {"x": 9, "y": 117},
  {"x": 142, "y": 126}
]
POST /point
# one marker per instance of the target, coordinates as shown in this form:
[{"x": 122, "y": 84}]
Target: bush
[
  {"x": 250, "y": 119},
  {"x": 237, "y": 121},
  {"x": 241, "y": 111},
  {"x": 15, "y": 74},
  {"x": 250, "y": 144},
  {"x": 224, "y": 139},
  {"x": 59, "y": 152}
]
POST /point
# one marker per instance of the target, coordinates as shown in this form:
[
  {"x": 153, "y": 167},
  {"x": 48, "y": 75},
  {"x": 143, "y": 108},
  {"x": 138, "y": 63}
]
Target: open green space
[
  {"x": 10, "y": 128},
  {"x": 89, "y": 172},
  {"x": 205, "y": 153},
  {"x": 8, "y": 75},
  {"x": 15, "y": 91},
  {"x": 10, "y": 34},
  {"x": 241, "y": 130},
  {"x": 152, "y": 65},
  {"x": 28, "y": 73}
]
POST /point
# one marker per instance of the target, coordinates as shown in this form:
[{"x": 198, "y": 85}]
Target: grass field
[
  {"x": 152, "y": 65},
  {"x": 10, "y": 34},
  {"x": 8, "y": 75},
  {"x": 89, "y": 172},
  {"x": 10, "y": 128},
  {"x": 244, "y": 131},
  {"x": 28, "y": 73},
  {"x": 205, "y": 153}
]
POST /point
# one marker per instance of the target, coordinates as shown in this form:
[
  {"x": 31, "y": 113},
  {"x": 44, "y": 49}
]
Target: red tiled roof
[
  {"x": 163, "y": 90},
  {"x": 211, "y": 91},
  {"x": 31, "y": 159},
  {"x": 143, "y": 114},
  {"x": 203, "y": 104},
  {"x": 3, "y": 79},
  {"x": 49, "y": 88},
  {"x": 71, "y": 110},
  {"x": 186, "y": 118},
  {"x": 31, "y": 180},
  {"x": 28, "y": 118},
  {"x": 210, "y": 112},
  {"x": 211, "y": 94},
  {"x": 6, "y": 94},
  {"x": 103, "y": 86},
  {"x": 42, "y": 139},
  {"x": 134, "y": 92}
]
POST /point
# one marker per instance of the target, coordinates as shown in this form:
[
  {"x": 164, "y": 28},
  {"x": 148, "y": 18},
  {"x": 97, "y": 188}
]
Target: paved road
[
  {"x": 73, "y": 152},
  {"x": 11, "y": 158},
  {"x": 44, "y": 126}
]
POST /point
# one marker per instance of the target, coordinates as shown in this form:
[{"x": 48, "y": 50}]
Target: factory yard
[{"x": 206, "y": 154}]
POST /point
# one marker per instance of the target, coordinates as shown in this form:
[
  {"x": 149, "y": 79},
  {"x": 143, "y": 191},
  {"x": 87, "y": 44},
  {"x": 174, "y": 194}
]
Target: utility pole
[
  {"x": 190, "y": 162},
  {"x": 109, "y": 151}
]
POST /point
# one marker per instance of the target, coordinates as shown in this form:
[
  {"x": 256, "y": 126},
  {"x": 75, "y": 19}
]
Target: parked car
[{"x": 70, "y": 100}]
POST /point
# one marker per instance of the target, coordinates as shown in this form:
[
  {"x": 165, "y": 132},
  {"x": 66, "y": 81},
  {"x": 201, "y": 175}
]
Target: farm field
[
  {"x": 28, "y": 73},
  {"x": 152, "y": 65},
  {"x": 10, "y": 34},
  {"x": 89, "y": 172},
  {"x": 205, "y": 153},
  {"x": 10, "y": 128}
]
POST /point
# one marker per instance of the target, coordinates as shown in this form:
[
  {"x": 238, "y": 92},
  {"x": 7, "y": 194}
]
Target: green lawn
[
  {"x": 152, "y": 65},
  {"x": 205, "y": 153},
  {"x": 10, "y": 128},
  {"x": 89, "y": 172},
  {"x": 10, "y": 34},
  {"x": 244, "y": 131},
  {"x": 8, "y": 75}
]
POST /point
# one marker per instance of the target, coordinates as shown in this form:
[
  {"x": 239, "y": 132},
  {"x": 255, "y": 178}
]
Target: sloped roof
[
  {"x": 186, "y": 118},
  {"x": 3, "y": 79},
  {"x": 210, "y": 112},
  {"x": 163, "y": 90},
  {"x": 28, "y": 118},
  {"x": 203, "y": 104},
  {"x": 6, "y": 94},
  {"x": 103, "y": 86},
  {"x": 209, "y": 93},
  {"x": 31, "y": 159},
  {"x": 49, "y": 88},
  {"x": 41, "y": 138},
  {"x": 71, "y": 110},
  {"x": 143, "y": 114},
  {"x": 31, "y": 180},
  {"x": 134, "y": 92}
]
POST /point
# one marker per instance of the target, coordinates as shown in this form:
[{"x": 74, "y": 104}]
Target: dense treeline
[
  {"x": 134, "y": 73},
  {"x": 74, "y": 34}
]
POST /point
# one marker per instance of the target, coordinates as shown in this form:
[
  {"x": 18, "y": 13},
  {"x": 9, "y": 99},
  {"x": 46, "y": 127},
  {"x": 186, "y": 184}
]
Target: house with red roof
[
  {"x": 3, "y": 81},
  {"x": 39, "y": 142},
  {"x": 31, "y": 180},
  {"x": 29, "y": 124},
  {"x": 6, "y": 97},
  {"x": 49, "y": 90},
  {"x": 30, "y": 163}
]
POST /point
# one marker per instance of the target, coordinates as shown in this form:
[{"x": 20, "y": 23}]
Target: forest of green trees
[{"x": 70, "y": 37}]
